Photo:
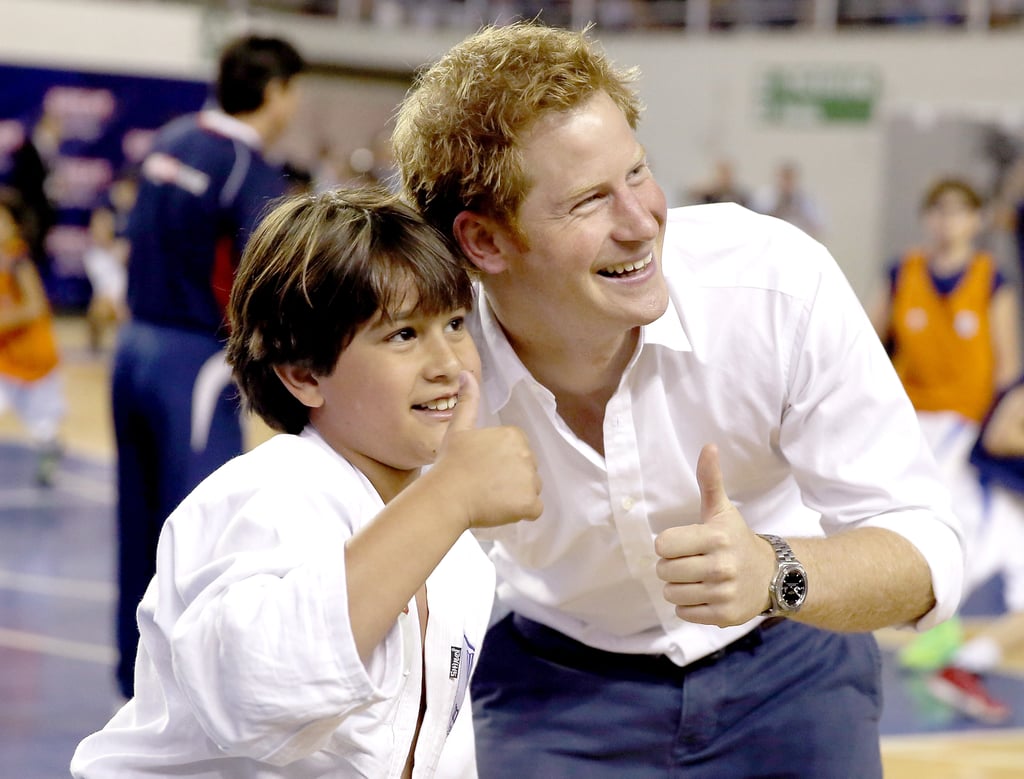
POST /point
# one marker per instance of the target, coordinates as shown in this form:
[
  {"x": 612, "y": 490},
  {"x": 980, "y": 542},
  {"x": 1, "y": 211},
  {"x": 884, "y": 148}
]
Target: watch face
[{"x": 793, "y": 588}]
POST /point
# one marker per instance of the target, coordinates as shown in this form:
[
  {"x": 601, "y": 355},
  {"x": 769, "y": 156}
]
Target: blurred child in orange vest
[
  {"x": 950, "y": 317},
  {"x": 29, "y": 380}
]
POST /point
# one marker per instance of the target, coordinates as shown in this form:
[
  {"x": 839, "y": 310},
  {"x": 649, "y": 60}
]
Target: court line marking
[
  {"x": 80, "y": 589},
  {"x": 911, "y": 741},
  {"x": 58, "y": 647},
  {"x": 70, "y": 489},
  {"x": 100, "y": 490},
  {"x": 975, "y": 758}
]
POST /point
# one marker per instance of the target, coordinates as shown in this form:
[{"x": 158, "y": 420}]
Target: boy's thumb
[{"x": 464, "y": 417}]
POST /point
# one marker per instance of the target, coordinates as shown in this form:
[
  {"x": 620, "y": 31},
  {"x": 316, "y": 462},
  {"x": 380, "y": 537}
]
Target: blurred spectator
[
  {"x": 720, "y": 188},
  {"x": 25, "y": 172},
  {"x": 106, "y": 259},
  {"x": 1008, "y": 207},
  {"x": 29, "y": 380},
  {"x": 788, "y": 200},
  {"x": 202, "y": 189},
  {"x": 901, "y": 12}
]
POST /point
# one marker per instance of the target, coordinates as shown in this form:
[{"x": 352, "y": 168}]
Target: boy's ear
[
  {"x": 301, "y": 383},
  {"x": 483, "y": 240}
]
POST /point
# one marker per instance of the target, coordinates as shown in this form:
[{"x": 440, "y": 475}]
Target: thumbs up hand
[
  {"x": 717, "y": 571},
  {"x": 466, "y": 410},
  {"x": 489, "y": 472}
]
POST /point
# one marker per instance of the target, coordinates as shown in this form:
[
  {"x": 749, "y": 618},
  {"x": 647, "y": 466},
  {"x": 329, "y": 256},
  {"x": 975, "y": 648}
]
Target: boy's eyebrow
[
  {"x": 383, "y": 318},
  {"x": 398, "y": 316},
  {"x": 409, "y": 313}
]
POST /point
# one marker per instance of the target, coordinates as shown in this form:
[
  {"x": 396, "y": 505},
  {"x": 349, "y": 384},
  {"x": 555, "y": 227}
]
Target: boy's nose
[{"x": 443, "y": 361}]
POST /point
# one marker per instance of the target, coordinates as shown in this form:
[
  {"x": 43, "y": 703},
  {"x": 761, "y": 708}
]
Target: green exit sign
[{"x": 819, "y": 94}]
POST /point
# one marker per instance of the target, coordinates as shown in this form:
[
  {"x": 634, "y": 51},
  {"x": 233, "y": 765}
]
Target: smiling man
[{"x": 722, "y": 441}]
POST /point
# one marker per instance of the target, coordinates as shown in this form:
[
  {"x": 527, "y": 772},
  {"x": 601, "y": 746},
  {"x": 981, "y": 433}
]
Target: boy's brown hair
[{"x": 319, "y": 267}]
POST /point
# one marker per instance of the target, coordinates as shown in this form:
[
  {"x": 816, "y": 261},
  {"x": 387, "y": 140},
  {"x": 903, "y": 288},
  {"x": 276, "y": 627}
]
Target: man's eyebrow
[{"x": 575, "y": 194}]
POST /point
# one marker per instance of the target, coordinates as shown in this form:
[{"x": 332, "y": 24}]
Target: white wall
[
  {"x": 701, "y": 92},
  {"x": 162, "y": 39}
]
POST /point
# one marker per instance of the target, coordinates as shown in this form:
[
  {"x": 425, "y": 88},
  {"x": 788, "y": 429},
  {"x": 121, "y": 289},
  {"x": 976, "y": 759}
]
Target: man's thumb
[
  {"x": 713, "y": 499},
  {"x": 464, "y": 417}
]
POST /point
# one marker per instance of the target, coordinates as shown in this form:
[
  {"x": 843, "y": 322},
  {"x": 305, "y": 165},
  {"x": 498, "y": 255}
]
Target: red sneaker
[{"x": 964, "y": 691}]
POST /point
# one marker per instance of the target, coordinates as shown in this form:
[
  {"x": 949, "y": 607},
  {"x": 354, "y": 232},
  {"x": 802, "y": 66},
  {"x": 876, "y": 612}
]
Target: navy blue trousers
[
  {"x": 158, "y": 460},
  {"x": 785, "y": 701}
]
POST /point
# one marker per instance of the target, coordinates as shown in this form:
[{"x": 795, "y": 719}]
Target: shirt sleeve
[
  {"x": 263, "y": 649},
  {"x": 853, "y": 441}
]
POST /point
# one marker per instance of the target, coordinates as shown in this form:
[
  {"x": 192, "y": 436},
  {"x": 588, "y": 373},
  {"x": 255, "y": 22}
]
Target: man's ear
[
  {"x": 301, "y": 383},
  {"x": 483, "y": 240}
]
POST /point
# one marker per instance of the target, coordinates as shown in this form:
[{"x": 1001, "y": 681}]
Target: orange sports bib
[
  {"x": 943, "y": 348},
  {"x": 28, "y": 352}
]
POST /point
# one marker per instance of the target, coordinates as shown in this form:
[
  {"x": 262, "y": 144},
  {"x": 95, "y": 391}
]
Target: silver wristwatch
[{"x": 788, "y": 589}]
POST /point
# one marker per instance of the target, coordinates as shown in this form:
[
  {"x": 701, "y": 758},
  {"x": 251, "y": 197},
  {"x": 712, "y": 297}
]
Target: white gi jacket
[{"x": 247, "y": 666}]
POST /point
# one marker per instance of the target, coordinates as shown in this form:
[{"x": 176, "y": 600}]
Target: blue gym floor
[{"x": 56, "y": 623}]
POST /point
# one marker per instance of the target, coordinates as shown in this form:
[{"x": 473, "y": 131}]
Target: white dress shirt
[
  {"x": 247, "y": 666},
  {"x": 765, "y": 351}
]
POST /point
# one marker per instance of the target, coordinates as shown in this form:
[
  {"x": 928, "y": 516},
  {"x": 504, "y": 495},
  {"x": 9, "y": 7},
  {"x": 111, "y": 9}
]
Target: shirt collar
[
  {"x": 667, "y": 330},
  {"x": 503, "y": 369},
  {"x": 217, "y": 121}
]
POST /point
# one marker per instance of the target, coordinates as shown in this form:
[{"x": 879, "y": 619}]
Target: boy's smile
[
  {"x": 440, "y": 406},
  {"x": 387, "y": 403}
]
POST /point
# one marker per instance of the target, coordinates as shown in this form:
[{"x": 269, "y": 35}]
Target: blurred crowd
[{"x": 654, "y": 14}]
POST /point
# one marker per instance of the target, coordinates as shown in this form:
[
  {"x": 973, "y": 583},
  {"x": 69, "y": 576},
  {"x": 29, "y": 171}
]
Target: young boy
[{"x": 316, "y": 608}]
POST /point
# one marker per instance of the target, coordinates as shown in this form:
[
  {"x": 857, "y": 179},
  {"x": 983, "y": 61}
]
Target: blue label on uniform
[{"x": 460, "y": 667}]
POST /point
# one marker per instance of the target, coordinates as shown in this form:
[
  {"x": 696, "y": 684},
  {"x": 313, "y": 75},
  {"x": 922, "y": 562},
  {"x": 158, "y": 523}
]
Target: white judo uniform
[{"x": 247, "y": 666}]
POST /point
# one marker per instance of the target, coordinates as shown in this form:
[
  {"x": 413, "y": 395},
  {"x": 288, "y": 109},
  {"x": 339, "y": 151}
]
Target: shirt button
[{"x": 627, "y": 503}]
